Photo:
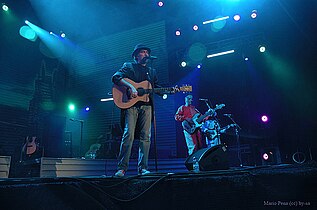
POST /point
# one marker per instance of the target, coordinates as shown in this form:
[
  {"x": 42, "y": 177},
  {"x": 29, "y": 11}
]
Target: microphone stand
[
  {"x": 81, "y": 134},
  {"x": 237, "y": 128},
  {"x": 154, "y": 114},
  {"x": 81, "y": 137},
  {"x": 207, "y": 104}
]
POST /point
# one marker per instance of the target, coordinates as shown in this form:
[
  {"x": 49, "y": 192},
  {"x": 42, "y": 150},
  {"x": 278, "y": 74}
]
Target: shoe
[
  {"x": 120, "y": 173},
  {"x": 143, "y": 172}
]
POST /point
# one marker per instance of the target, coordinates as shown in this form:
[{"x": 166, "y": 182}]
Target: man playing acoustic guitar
[{"x": 140, "y": 113}]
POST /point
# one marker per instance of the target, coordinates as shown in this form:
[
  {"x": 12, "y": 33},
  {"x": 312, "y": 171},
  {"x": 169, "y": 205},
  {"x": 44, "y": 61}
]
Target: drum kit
[{"x": 212, "y": 130}]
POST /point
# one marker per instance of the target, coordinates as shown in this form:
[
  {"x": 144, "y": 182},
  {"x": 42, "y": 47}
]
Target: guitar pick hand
[{"x": 134, "y": 92}]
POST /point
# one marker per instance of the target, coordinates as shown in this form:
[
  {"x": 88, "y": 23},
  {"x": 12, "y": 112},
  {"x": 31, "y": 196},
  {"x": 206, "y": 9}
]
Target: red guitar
[
  {"x": 122, "y": 95},
  {"x": 30, "y": 145}
]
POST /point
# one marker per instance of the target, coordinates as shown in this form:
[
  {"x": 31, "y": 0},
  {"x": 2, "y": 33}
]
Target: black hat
[{"x": 139, "y": 47}]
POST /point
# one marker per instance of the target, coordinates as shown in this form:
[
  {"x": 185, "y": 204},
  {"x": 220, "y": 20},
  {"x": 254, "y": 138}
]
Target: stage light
[
  {"x": 236, "y": 17},
  {"x": 262, "y": 48},
  {"x": 264, "y": 118},
  {"x": 183, "y": 64},
  {"x": 254, "y": 14},
  {"x": 160, "y": 4},
  {"x": 164, "y": 96},
  {"x": 87, "y": 109},
  {"x": 63, "y": 35},
  {"x": 265, "y": 156},
  {"x": 178, "y": 32},
  {"x": 268, "y": 156},
  {"x": 199, "y": 66},
  {"x": 51, "y": 33},
  {"x": 71, "y": 107},
  {"x": 5, "y": 7},
  {"x": 195, "y": 27},
  {"x": 246, "y": 58},
  {"x": 221, "y": 53},
  {"x": 28, "y": 33},
  {"x": 26, "y": 22}
]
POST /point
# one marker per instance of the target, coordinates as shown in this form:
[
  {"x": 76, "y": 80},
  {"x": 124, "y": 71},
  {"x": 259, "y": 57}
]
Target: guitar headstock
[
  {"x": 184, "y": 88},
  {"x": 219, "y": 106}
]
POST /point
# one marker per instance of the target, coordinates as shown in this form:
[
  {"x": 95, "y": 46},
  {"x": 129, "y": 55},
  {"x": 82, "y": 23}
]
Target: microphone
[
  {"x": 227, "y": 115},
  {"x": 151, "y": 57},
  {"x": 203, "y": 99}
]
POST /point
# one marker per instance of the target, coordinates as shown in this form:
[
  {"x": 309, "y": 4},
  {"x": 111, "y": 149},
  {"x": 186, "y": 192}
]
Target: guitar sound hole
[{"x": 141, "y": 91}]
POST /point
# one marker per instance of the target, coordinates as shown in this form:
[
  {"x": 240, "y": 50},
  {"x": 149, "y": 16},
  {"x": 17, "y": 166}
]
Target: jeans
[{"x": 141, "y": 115}]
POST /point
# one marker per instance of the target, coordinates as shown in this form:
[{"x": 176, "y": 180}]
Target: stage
[{"x": 262, "y": 187}]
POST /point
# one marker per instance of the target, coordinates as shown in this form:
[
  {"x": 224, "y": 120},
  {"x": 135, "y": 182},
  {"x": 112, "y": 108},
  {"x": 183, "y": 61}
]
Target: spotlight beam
[{"x": 56, "y": 48}]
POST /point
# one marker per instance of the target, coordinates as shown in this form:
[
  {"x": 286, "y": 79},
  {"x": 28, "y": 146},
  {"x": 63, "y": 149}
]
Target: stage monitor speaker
[{"x": 214, "y": 158}]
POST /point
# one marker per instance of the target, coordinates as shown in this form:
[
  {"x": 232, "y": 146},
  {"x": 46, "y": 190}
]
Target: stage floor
[{"x": 262, "y": 187}]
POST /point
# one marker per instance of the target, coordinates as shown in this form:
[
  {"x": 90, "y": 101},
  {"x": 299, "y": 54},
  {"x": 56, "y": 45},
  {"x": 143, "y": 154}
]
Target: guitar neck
[
  {"x": 163, "y": 90},
  {"x": 200, "y": 119},
  {"x": 209, "y": 112},
  {"x": 156, "y": 90}
]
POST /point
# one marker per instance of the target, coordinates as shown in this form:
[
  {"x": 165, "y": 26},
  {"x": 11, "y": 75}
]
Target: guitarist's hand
[
  {"x": 134, "y": 92},
  {"x": 131, "y": 89}
]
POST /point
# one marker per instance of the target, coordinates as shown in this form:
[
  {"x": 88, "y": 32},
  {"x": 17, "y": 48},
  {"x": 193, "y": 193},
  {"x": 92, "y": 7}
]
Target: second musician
[{"x": 187, "y": 112}]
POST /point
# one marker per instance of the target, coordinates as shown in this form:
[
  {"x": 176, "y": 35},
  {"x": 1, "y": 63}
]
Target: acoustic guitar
[
  {"x": 122, "y": 94},
  {"x": 30, "y": 145}
]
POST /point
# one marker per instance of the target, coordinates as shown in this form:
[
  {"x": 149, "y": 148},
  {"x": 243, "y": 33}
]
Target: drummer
[{"x": 211, "y": 129}]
